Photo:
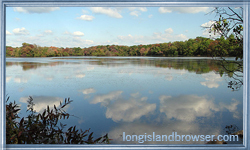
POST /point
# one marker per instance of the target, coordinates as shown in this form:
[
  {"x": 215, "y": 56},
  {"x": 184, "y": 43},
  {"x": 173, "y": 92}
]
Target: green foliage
[
  {"x": 44, "y": 128},
  {"x": 230, "y": 26},
  {"x": 200, "y": 46}
]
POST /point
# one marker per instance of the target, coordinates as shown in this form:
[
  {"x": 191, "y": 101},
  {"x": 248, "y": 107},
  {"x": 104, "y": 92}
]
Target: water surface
[{"x": 135, "y": 95}]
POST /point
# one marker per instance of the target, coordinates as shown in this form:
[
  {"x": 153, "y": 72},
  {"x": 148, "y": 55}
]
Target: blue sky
[{"x": 89, "y": 26}]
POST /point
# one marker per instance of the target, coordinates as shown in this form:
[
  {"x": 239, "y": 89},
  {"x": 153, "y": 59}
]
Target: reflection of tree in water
[
  {"x": 234, "y": 71},
  {"x": 230, "y": 68},
  {"x": 199, "y": 66},
  {"x": 234, "y": 130},
  {"x": 33, "y": 65},
  {"x": 229, "y": 130}
]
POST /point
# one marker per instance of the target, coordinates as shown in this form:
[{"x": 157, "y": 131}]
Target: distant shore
[{"x": 198, "y": 47}]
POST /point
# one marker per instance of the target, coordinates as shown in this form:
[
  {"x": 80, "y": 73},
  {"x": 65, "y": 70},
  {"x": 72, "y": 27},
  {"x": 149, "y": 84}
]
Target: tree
[{"x": 229, "y": 24}]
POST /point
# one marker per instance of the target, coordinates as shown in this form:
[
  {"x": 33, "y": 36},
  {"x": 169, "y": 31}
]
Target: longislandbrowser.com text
[{"x": 175, "y": 137}]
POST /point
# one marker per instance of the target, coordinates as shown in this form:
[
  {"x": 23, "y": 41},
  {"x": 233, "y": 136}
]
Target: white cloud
[
  {"x": 35, "y": 9},
  {"x": 21, "y": 31},
  {"x": 78, "y": 33},
  {"x": 212, "y": 80},
  {"x": 112, "y": 12},
  {"x": 66, "y": 32},
  {"x": 184, "y": 9},
  {"x": 182, "y": 37},
  {"x": 86, "y": 17},
  {"x": 169, "y": 30},
  {"x": 206, "y": 27},
  {"x": 48, "y": 32},
  {"x": 132, "y": 39},
  {"x": 150, "y": 16},
  {"x": 143, "y": 9},
  {"x": 88, "y": 91},
  {"x": 207, "y": 24},
  {"x": 82, "y": 41},
  {"x": 67, "y": 41},
  {"x": 8, "y": 33},
  {"x": 164, "y": 10},
  {"x": 166, "y": 37},
  {"x": 135, "y": 13}
]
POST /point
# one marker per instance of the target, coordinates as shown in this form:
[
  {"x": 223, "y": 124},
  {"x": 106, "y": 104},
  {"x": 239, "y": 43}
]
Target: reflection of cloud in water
[
  {"x": 166, "y": 128},
  {"x": 20, "y": 89},
  {"x": 127, "y": 71},
  {"x": 124, "y": 110},
  {"x": 49, "y": 78},
  {"x": 80, "y": 75},
  {"x": 90, "y": 68},
  {"x": 8, "y": 79},
  {"x": 21, "y": 79},
  {"x": 137, "y": 94},
  {"x": 41, "y": 102},
  {"x": 88, "y": 91},
  {"x": 80, "y": 121},
  {"x": 155, "y": 72},
  {"x": 186, "y": 107},
  {"x": 106, "y": 98},
  {"x": 169, "y": 78},
  {"x": 169, "y": 73},
  {"x": 211, "y": 80},
  {"x": 129, "y": 110},
  {"x": 232, "y": 107}
]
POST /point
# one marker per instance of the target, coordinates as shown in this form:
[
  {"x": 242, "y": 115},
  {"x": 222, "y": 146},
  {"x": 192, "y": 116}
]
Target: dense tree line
[{"x": 199, "y": 46}]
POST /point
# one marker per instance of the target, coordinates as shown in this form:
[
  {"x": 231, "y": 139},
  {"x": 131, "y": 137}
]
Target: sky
[{"x": 90, "y": 26}]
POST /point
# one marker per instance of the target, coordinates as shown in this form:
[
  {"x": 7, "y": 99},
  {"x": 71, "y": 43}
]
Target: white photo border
[{"x": 126, "y": 3}]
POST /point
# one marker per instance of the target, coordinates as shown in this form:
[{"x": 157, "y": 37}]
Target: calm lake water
[{"x": 135, "y": 95}]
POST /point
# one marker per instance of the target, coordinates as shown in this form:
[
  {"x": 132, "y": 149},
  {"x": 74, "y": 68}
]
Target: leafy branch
[{"x": 44, "y": 128}]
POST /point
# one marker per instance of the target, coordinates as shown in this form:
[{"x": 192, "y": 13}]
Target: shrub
[{"x": 43, "y": 128}]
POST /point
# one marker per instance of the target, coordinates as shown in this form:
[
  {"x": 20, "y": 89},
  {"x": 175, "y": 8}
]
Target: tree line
[{"x": 200, "y": 46}]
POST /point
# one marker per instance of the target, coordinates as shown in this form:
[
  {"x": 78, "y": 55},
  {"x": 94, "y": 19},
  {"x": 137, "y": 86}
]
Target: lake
[{"x": 135, "y": 95}]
